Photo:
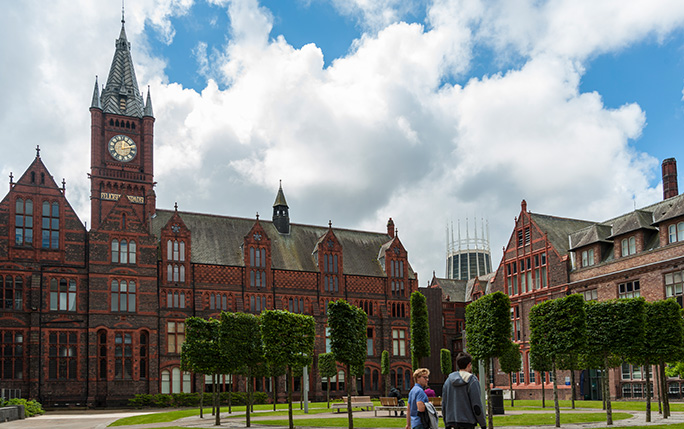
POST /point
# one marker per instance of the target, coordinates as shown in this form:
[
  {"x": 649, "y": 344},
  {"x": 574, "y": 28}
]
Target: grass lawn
[{"x": 529, "y": 404}]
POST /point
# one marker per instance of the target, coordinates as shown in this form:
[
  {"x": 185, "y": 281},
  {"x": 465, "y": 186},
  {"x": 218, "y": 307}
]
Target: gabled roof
[
  {"x": 484, "y": 284},
  {"x": 122, "y": 82},
  {"x": 592, "y": 234},
  {"x": 453, "y": 289},
  {"x": 280, "y": 198},
  {"x": 669, "y": 209},
  {"x": 633, "y": 221},
  {"x": 219, "y": 240},
  {"x": 558, "y": 229}
]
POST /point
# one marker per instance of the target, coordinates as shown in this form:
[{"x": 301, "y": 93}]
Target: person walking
[
  {"x": 461, "y": 403},
  {"x": 417, "y": 398}
]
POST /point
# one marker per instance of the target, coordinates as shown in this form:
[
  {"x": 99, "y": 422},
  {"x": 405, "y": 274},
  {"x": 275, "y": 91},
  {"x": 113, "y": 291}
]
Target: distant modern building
[{"x": 468, "y": 256}]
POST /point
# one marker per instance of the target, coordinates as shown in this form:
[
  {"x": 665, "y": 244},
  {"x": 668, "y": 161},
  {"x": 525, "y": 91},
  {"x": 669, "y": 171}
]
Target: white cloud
[{"x": 375, "y": 134}]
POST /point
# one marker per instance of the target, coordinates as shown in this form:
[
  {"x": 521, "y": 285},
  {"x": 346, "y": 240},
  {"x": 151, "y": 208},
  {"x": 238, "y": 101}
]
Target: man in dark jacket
[
  {"x": 461, "y": 403},
  {"x": 395, "y": 393}
]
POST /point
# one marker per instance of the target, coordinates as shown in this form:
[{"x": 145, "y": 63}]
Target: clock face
[{"x": 122, "y": 148}]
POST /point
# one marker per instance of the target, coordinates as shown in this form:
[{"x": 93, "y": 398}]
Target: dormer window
[
  {"x": 397, "y": 278},
  {"x": 587, "y": 258},
  {"x": 175, "y": 255},
  {"x": 676, "y": 232},
  {"x": 331, "y": 271},
  {"x": 257, "y": 263},
  {"x": 629, "y": 246}
]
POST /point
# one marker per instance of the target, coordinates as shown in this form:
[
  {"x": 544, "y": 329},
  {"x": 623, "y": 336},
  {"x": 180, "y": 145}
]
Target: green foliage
[
  {"x": 31, "y": 407},
  {"x": 327, "y": 367},
  {"x": 558, "y": 327},
  {"x": 385, "y": 362},
  {"x": 201, "y": 352},
  {"x": 446, "y": 363},
  {"x": 511, "y": 360},
  {"x": 615, "y": 330},
  {"x": 664, "y": 331},
  {"x": 488, "y": 325},
  {"x": 288, "y": 338},
  {"x": 420, "y": 329},
  {"x": 348, "y": 325},
  {"x": 241, "y": 342}
]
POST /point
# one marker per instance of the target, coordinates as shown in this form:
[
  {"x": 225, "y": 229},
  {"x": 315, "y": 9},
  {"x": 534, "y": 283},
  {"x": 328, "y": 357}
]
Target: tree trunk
[
  {"x": 663, "y": 382},
  {"x": 659, "y": 389},
  {"x": 248, "y": 406},
  {"x": 606, "y": 395},
  {"x": 647, "y": 367},
  {"x": 274, "y": 384},
  {"x": 328, "y": 390},
  {"x": 510, "y": 382},
  {"x": 555, "y": 394},
  {"x": 572, "y": 387},
  {"x": 230, "y": 395},
  {"x": 543, "y": 374},
  {"x": 202, "y": 402},
  {"x": 387, "y": 384},
  {"x": 217, "y": 402},
  {"x": 288, "y": 381},
  {"x": 349, "y": 390},
  {"x": 488, "y": 390}
]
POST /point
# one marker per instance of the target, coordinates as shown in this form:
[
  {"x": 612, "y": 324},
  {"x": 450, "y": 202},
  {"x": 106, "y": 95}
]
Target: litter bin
[{"x": 497, "y": 399}]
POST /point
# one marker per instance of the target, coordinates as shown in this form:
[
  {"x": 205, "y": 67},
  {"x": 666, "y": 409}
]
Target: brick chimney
[
  {"x": 670, "y": 178},
  {"x": 390, "y": 227}
]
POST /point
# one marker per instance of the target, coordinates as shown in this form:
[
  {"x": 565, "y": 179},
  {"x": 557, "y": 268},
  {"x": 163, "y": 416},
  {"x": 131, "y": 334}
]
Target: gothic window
[
  {"x": 123, "y": 356},
  {"x": 397, "y": 278},
  {"x": 123, "y": 252},
  {"x": 399, "y": 342},
  {"x": 175, "y": 336},
  {"x": 11, "y": 355},
  {"x": 175, "y": 254},
  {"x": 369, "y": 341},
  {"x": 296, "y": 305},
  {"x": 331, "y": 270},
  {"x": 102, "y": 354},
  {"x": 123, "y": 296},
  {"x": 11, "y": 292},
  {"x": 257, "y": 304},
  {"x": 175, "y": 381},
  {"x": 175, "y": 299},
  {"x": 23, "y": 222},
  {"x": 257, "y": 263},
  {"x": 62, "y": 295},
  {"x": 62, "y": 355},
  {"x": 515, "y": 324},
  {"x": 50, "y": 226}
]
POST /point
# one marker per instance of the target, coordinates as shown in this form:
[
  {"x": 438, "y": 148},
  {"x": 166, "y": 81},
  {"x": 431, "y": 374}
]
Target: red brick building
[
  {"x": 640, "y": 253},
  {"x": 96, "y": 316}
]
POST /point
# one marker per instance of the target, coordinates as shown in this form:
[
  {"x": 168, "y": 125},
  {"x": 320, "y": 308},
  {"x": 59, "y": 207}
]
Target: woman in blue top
[{"x": 417, "y": 398}]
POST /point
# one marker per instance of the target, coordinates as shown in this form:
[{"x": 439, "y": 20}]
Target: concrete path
[{"x": 101, "y": 419}]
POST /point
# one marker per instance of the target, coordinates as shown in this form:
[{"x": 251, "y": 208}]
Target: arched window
[
  {"x": 23, "y": 222},
  {"x": 131, "y": 252},
  {"x": 123, "y": 254}
]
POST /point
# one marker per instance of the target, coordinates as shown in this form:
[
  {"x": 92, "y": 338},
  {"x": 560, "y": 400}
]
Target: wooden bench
[
  {"x": 356, "y": 402},
  {"x": 389, "y": 405},
  {"x": 437, "y": 403}
]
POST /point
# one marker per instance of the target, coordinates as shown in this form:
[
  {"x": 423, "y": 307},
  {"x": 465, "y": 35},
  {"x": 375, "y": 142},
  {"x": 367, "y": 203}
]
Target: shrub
[
  {"x": 161, "y": 400},
  {"x": 141, "y": 400},
  {"x": 31, "y": 408}
]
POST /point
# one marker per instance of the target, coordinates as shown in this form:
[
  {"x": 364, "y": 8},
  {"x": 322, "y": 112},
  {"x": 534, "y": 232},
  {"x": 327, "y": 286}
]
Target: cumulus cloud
[{"x": 377, "y": 133}]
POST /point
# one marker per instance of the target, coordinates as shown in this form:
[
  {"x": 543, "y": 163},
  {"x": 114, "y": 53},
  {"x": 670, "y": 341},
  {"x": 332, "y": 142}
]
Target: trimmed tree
[
  {"x": 327, "y": 367},
  {"x": 201, "y": 354},
  {"x": 348, "y": 326},
  {"x": 420, "y": 329},
  {"x": 242, "y": 344},
  {"x": 288, "y": 341},
  {"x": 663, "y": 342},
  {"x": 510, "y": 362},
  {"x": 446, "y": 364},
  {"x": 614, "y": 330},
  {"x": 488, "y": 331},
  {"x": 385, "y": 370}
]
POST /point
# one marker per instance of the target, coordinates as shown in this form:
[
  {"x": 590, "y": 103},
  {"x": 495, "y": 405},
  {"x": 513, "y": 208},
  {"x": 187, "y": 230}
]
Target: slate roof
[
  {"x": 122, "y": 82},
  {"x": 219, "y": 239},
  {"x": 484, "y": 283},
  {"x": 558, "y": 229},
  {"x": 633, "y": 221},
  {"x": 669, "y": 209},
  {"x": 592, "y": 234},
  {"x": 453, "y": 288}
]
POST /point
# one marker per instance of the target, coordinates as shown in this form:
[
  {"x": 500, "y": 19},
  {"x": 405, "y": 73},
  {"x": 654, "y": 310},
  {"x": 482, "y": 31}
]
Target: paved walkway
[{"x": 91, "y": 419}]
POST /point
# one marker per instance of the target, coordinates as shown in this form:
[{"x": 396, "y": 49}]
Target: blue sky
[{"x": 426, "y": 111}]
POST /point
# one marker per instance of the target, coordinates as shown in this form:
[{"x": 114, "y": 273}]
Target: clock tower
[{"x": 122, "y": 134}]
